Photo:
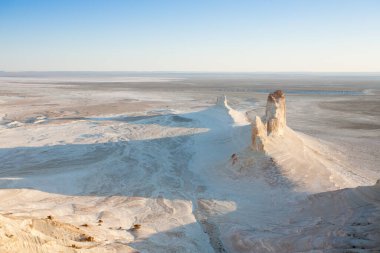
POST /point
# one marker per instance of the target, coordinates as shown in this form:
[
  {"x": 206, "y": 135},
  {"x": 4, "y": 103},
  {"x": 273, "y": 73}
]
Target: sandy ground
[{"x": 143, "y": 164}]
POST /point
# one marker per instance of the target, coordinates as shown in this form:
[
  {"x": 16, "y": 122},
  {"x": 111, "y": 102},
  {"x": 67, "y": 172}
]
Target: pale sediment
[{"x": 173, "y": 172}]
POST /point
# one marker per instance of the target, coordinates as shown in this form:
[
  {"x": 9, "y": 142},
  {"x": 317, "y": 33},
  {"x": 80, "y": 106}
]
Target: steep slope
[
  {"x": 345, "y": 220},
  {"x": 311, "y": 165}
]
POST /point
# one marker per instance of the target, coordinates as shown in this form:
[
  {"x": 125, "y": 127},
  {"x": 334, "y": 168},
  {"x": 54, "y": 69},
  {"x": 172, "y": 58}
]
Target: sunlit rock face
[
  {"x": 274, "y": 122},
  {"x": 275, "y": 114},
  {"x": 259, "y": 134}
]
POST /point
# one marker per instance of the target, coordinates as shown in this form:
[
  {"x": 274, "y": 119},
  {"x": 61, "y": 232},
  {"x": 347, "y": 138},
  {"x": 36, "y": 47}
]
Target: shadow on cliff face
[
  {"x": 346, "y": 220},
  {"x": 114, "y": 168},
  {"x": 115, "y": 160}
]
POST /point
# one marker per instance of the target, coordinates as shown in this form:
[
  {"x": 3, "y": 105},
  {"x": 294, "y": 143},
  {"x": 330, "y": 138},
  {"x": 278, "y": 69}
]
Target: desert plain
[{"x": 163, "y": 162}]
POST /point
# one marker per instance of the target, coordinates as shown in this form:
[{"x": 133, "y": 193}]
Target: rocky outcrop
[
  {"x": 275, "y": 113},
  {"x": 274, "y": 122},
  {"x": 259, "y": 134}
]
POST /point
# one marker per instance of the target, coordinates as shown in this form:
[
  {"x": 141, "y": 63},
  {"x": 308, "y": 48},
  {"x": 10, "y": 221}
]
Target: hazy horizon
[{"x": 191, "y": 72}]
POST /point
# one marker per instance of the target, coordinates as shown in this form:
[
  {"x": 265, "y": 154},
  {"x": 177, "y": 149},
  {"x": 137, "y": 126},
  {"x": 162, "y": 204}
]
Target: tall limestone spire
[
  {"x": 275, "y": 114},
  {"x": 274, "y": 122}
]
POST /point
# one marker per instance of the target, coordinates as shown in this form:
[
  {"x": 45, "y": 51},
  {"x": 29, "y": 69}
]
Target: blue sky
[{"x": 190, "y": 35}]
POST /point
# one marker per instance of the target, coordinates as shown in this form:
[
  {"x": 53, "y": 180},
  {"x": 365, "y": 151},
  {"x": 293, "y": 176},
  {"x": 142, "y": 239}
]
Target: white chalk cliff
[{"x": 272, "y": 124}]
